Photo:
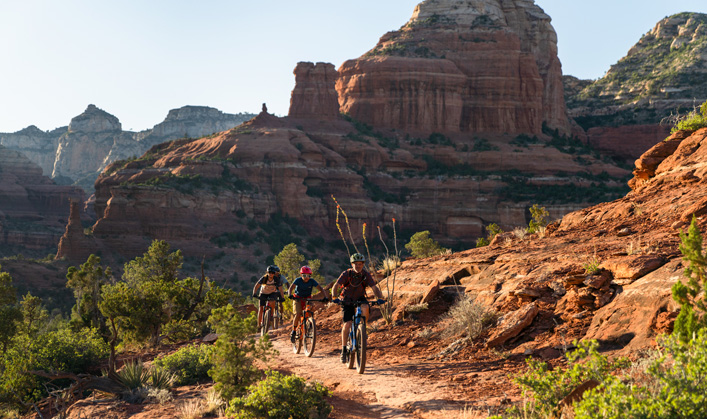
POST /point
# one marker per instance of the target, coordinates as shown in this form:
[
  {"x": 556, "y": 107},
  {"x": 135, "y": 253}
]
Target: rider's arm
[
  {"x": 322, "y": 291},
  {"x": 257, "y": 287},
  {"x": 292, "y": 287},
  {"x": 377, "y": 292}
]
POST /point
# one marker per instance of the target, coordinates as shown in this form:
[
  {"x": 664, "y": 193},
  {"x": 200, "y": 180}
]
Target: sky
[{"x": 137, "y": 59}]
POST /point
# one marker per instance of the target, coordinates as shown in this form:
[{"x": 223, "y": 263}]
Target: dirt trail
[{"x": 383, "y": 391}]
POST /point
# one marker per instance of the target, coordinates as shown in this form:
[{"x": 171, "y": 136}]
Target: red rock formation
[
  {"x": 469, "y": 67},
  {"x": 628, "y": 141},
  {"x": 74, "y": 245},
  {"x": 314, "y": 95},
  {"x": 33, "y": 209}
]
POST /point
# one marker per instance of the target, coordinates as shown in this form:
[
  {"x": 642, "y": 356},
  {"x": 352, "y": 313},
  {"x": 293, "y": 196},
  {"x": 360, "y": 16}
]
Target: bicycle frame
[{"x": 302, "y": 335}]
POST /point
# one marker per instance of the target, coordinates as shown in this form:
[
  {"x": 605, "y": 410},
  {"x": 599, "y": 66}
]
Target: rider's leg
[
  {"x": 364, "y": 311},
  {"x": 297, "y": 308},
  {"x": 345, "y": 332}
]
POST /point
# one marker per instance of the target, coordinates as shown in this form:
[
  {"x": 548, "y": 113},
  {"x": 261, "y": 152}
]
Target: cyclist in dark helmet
[
  {"x": 270, "y": 284},
  {"x": 353, "y": 283}
]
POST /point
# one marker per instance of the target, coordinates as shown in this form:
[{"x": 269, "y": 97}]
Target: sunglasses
[{"x": 306, "y": 275}]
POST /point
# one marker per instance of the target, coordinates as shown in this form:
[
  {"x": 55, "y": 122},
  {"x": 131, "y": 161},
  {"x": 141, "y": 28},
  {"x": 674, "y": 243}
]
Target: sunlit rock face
[
  {"x": 314, "y": 95},
  {"x": 473, "y": 66}
]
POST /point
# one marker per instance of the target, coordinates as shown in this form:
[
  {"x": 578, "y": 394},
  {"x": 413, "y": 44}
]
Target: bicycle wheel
[
  {"x": 352, "y": 352},
  {"x": 266, "y": 323},
  {"x": 297, "y": 344},
  {"x": 310, "y": 336},
  {"x": 276, "y": 319},
  {"x": 361, "y": 340}
]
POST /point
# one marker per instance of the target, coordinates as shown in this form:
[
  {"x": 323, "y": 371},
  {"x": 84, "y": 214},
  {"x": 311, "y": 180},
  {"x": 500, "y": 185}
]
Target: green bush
[
  {"x": 235, "y": 351},
  {"x": 693, "y": 120},
  {"x": 282, "y": 397},
  {"x": 421, "y": 245},
  {"x": 549, "y": 386},
  {"x": 538, "y": 218},
  {"x": 60, "y": 350},
  {"x": 189, "y": 364},
  {"x": 689, "y": 295}
]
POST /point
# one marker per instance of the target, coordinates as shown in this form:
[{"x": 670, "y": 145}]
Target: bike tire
[
  {"x": 266, "y": 323},
  {"x": 276, "y": 319},
  {"x": 310, "y": 336},
  {"x": 361, "y": 341},
  {"x": 352, "y": 353},
  {"x": 297, "y": 344}
]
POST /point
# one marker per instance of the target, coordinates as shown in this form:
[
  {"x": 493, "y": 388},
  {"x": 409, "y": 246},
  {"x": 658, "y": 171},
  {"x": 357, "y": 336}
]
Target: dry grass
[
  {"x": 468, "y": 317},
  {"x": 520, "y": 232},
  {"x": 191, "y": 409}
]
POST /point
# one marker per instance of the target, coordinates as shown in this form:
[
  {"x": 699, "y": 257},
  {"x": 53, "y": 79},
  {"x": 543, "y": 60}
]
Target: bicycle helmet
[
  {"x": 273, "y": 269},
  {"x": 357, "y": 257},
  {"x": 305, "y": 270}
]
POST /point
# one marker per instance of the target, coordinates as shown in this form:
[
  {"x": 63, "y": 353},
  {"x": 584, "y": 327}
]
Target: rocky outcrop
[
  {"x": 39, "y": 146},
  {"x": 74, "y": 245},
  {"x": 665, "y": 73},
  {"x": 82, "y": 150},
  {"x": 314, "y": 95},
  {"x": 33, "y": 209},
  {"x": 482, "y": 66},
  {"x": 189, "y": 122}
]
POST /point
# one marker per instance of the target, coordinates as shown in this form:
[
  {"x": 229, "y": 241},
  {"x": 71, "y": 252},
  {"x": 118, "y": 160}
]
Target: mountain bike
[
  {"x": 306, "y": 328},
  {"x": 356, "y": 344},
  {"x": 270, "y": 315}
]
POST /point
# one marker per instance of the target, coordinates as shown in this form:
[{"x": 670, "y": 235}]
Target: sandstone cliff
[
  {"x": 33, "y": 209},
  {"x": 314, "y": 95},
  {"x": 664, "y": 73},
  {"x": 94, "y": 139},
  {"x": 478, "y": 66}
]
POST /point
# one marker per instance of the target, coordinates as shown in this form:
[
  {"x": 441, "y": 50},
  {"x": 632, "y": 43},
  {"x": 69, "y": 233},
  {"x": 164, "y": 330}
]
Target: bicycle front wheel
[
  {"x": 266, "y": 323},
  {"x": 352, "y": 351},
  {"x": 361, "y": 340},
  {"x": 297, "y": 344},
  {"x": 310, "y": 336}
]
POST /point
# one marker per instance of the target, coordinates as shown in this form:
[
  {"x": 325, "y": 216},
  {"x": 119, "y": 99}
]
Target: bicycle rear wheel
[
  {"x": 266, "y": 323},
  {"x": 276, "y": 319},
  {"x": 361, "y": 340},
  {"x": 310, "y": 336}
]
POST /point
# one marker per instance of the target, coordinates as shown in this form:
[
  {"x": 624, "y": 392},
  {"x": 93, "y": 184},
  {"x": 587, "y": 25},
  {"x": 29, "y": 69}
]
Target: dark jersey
[
  {"x": 304, "y": 289},
  {"x": 354, "y": 284}
]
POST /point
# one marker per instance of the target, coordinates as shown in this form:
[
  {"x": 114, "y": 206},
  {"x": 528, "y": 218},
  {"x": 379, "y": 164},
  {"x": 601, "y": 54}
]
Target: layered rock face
[
  {"x": 314, "y": 95},
  {"x": 33, "y": 209},
  {"x": 82, "y": 150},
  {"x": 39, "y": 146},
  {"x": 94, "y": 139},
  {"x": 479, "y": 66},
  {"x": 663, "y": 74},
  {"x": 190, "y": 122},
  {"x": 541, "y": 285}
]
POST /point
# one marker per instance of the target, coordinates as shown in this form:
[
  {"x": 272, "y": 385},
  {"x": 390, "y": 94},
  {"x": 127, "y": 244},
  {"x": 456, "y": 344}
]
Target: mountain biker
[
  {"x": 354, "y": 282},
  {"x": 267, "y": 286},
  {"x": 301, "y": 288}
]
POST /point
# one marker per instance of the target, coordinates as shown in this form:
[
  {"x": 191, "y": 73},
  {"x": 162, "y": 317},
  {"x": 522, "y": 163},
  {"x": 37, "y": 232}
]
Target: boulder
[{"x": 513, "y": 324}]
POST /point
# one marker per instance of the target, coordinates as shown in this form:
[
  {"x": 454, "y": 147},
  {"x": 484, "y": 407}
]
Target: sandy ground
[{"x": 383, "y": 391}]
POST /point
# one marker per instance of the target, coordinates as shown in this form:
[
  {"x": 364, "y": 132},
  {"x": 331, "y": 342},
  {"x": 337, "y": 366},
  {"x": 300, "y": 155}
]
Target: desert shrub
[
  {"x": 548, "y": 387},
  {"x": 482, "y": 241},
  {"x": 58, "y": 350},
  {"x": 676, "y": 386},
  {"x": 492, "y": 231},
  {"x": 690, "y": 295},
  {"x": 235, "y": 351},
  {"x": 468, "y": 316},
  {"x": 538, "y": 216},
  {"x": 421, "y": 245},
  {"x": 693, "y": 120},
  {"x": 189, "y": 364},
  {"x": 282, "y": 397}
]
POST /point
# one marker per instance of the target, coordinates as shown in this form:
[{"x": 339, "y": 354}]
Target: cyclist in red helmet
[
  {"x": 301, "y": 288},
  {"x": 353, "y": 283}
]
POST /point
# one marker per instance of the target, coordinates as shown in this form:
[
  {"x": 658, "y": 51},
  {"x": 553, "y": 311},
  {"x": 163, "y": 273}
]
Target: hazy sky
[{"x": 137, "y": 59}]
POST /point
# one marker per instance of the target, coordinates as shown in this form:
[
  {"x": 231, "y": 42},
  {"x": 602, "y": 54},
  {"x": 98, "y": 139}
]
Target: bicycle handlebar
[
  {"x": 358, "y": 303},
  {"x": 308, "y": 299}
]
